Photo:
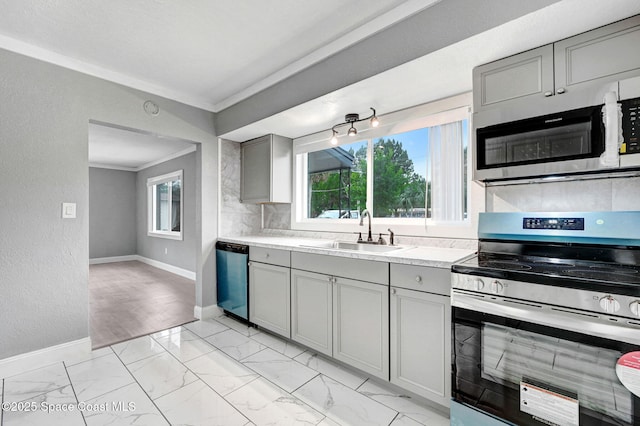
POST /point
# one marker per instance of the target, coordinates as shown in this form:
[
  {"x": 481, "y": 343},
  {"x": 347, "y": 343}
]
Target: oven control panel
[
  {"x": 523, "y": 292},
  {"x": 554, "y": 223}
]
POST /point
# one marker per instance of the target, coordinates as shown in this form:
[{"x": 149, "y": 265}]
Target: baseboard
[
  {"x": 205, "y": 312},
  {"x": 43, "y": 357},
  {"x": 166, "y": 267},
  {"x": 99, "y": 260}
]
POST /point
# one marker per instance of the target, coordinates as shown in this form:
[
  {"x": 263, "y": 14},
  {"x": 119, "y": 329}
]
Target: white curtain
[{"x": 446, "y": 163}]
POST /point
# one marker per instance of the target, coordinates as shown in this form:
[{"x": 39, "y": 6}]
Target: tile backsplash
[
  {"x": 236, "y": 218},
  {"x": 607, "y": 194}
]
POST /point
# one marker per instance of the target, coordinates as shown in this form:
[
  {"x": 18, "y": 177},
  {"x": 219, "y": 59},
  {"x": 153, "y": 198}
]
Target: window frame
[
  {"x": 152, "y": 183},
  {"x": 426, "y": 115}
]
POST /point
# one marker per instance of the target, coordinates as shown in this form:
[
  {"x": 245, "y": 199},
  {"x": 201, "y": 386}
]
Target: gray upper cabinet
[
  {"x": 529, "y": 74},
  {"x": 266, "y": 170},
  {"x": 568, "y": 74},
  {"x": 604, "y": 54}
]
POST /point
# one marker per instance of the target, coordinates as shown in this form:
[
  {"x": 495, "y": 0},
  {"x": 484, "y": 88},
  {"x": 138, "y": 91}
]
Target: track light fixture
[{"x": 351, "y": 119}]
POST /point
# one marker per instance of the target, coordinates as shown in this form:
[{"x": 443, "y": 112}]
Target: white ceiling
[
  {"x": 204, "y": 53},
  {"x": 124, "y": 149},
  {"x": 212, "y": 54}
]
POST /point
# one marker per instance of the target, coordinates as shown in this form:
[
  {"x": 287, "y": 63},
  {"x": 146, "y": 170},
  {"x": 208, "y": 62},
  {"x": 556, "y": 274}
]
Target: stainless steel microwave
[{"x": 555, "y": 144}]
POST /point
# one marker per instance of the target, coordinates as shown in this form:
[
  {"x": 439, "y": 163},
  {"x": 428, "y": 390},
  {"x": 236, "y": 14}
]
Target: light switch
[{"x": 68, "y": 210}]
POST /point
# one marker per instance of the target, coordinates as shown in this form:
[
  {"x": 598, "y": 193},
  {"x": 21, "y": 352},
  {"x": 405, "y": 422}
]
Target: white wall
[{"x": 611, "y": 194}]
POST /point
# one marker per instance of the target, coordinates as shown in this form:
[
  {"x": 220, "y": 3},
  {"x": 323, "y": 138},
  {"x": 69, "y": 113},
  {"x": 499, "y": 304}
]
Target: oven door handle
[{"x": 564, "y": 319}]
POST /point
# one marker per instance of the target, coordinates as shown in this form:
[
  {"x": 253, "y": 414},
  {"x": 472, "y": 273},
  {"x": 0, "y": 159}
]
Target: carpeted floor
[{"x": 131, "y": 299}]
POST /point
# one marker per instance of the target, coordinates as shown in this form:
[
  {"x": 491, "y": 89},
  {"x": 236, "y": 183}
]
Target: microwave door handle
[
  {"x": 563, "y": 319},
  {"x": 612, "y": 118}
]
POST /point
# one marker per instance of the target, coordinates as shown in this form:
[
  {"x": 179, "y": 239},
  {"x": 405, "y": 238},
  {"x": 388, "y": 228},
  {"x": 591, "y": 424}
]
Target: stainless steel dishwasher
[{"x": 232, "y": 262}]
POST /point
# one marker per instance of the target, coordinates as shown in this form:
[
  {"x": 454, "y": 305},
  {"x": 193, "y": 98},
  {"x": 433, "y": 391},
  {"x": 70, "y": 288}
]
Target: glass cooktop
[{"x": 563, "y": 272}]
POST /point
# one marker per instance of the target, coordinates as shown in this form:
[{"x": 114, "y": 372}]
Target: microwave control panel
[{"x": 630, "y": 124}]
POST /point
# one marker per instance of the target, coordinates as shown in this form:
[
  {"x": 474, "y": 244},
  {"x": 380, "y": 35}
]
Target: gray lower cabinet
[
  {"x": 420, "y": 329},
  {"x": 361, "y": 325},
  {"x": 345, "y": 318},
  {"x": 270, "y": 290},
  {"x": 311, "y": 310},
  {"x": 420, "y": 343}
]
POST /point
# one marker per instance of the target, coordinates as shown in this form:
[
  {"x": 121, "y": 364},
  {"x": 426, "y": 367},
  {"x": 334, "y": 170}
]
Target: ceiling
[
  {"x": 205, "y": 53},
  {"x": 213, "y": 54},
  {"x": 123, "y": 149}
]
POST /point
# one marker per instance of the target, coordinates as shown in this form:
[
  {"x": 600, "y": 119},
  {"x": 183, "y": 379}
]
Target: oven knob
[
  {"x": 635, "y": 307},
  {"x": 475, "y": 284},
  {"x": 496, "y": 287},
  {"x": 609, "y": 304}
]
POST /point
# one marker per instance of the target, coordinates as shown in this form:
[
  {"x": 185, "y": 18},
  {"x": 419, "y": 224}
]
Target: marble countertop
[{"x": 438, "y": 257}]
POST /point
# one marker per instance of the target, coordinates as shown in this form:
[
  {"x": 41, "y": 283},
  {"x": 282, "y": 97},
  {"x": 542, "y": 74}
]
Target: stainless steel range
[{"x": 546, "y": 321}]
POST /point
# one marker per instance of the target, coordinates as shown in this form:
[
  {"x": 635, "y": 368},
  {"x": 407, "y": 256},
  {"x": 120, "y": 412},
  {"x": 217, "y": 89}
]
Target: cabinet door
[
  {"x": 421, "y": 343},
  {"x": 596, "y": 57},
  {"x": 270, "y": 297},
  {"x": 361, "y": 325},
  {"x": 256, "y": 170},
  {"x": 513, "y": 79},
  {"x": 311, "y": 321}
]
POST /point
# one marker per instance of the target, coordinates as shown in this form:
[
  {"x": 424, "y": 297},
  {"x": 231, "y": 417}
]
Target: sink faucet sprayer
[{"x": 366, "y": 212}]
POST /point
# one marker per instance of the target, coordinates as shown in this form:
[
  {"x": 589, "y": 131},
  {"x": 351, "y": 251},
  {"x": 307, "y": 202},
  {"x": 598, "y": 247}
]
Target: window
[
  {"x": 337, "y": 179},
  {"x": 165, "y": 205},
  {"x": 410, "y": 173}
]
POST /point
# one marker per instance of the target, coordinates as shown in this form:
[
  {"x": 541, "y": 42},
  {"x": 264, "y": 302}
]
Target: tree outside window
[{"x": 405, "y": 166}]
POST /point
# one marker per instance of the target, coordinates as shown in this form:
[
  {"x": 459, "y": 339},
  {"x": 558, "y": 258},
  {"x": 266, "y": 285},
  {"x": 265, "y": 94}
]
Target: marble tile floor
[{"x": 209, "y": 372}]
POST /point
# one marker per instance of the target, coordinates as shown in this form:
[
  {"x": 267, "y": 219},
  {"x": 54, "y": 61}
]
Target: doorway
[{"x": 140, "y": 281}]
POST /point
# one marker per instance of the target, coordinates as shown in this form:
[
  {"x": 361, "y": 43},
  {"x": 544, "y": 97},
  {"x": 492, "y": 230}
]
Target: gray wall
[
  {"x": 112, "y": 213},
  {"x": 180, "y": 253},
  {"x": 44, "y": 116}
]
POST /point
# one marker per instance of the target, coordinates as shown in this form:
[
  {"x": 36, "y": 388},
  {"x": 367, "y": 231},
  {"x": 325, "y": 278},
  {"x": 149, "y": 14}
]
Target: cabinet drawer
[
  {"x": 421, "y": 278},
  {"x": 357, "y": 269},
  {"x": 271, "y": 256}
]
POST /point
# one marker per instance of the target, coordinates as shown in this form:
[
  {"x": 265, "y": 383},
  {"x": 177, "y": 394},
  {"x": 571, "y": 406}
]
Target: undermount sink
[
  {"x": 363, "y": 247},
  {"x": 377, "y": 248}
]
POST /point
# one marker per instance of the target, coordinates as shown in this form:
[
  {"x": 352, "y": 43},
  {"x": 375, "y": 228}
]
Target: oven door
[{"x": 528, "y": 367}]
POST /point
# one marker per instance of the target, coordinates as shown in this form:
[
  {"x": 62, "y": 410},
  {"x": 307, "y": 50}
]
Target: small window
[{"x": 165, "y": 205}]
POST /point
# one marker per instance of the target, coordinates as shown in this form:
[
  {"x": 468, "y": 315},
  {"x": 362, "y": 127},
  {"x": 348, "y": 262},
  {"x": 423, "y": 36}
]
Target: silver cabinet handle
[
  {"x": 561, "y": 90},
  {"x": 418, "y": 279},
  {"x": 266, "y": 255},
  {"x": 393, "y": 291},
  {"x": 548, "y": 93}
]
